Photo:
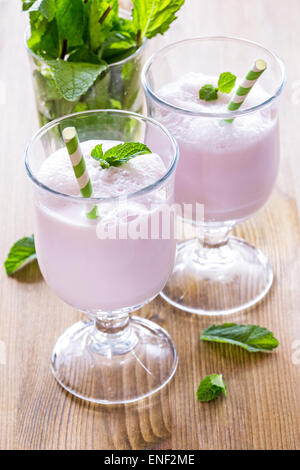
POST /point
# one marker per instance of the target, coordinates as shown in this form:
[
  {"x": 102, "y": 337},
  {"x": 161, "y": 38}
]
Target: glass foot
[
  {"x": 218, "y": 280},
  {"x": 114, "y": 369}
]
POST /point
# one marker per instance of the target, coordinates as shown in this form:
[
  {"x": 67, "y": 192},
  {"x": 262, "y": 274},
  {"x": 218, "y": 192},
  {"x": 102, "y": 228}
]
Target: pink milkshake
[
  {"x": 231, "y": 168},
  {"x": 95, "y": 274},
  {"x": 96, "y": 250},
  {"x": 219, "y": 97}
]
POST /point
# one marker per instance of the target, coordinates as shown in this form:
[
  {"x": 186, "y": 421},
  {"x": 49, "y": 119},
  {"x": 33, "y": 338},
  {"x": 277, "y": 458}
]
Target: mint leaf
[
  {"x": 73, "y": 79},
  {"x": 208, "y": 93},
  {"x": 151, "y": 17},
  {"x": 46, "y": 7},
  {"x": 38, "y": 26},
  {"x": 119, "y": 154},
  {"x": 84, "y": 54},
  {"x": 226, "y": 82},
  {"x": 97, "y": 152},
  {"x": 93, "y": 214},
  {"x": 253, "y": 338},
  {"x": 117, "y": 44},
  {"x": 21, "y": 254},
  {"x": 27, "y": 4},
  {"x": 211, "y": 387},
  {"x": 49, "y": 44},
  {"x": 102, "y": 16},
  {"x": 70, "y": 21}
]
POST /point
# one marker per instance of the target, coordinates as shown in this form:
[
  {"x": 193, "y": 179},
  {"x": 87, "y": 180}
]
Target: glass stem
[
  {"x": 215, "y": 237},
  {"x": 212, "y": 244},
  {"x": 112, "y": 334},
  {"x": 112, "y": 323}
]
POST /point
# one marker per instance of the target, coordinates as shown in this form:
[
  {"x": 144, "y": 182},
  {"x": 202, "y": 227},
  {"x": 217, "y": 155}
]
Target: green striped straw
[
  {"x": 71, "y": 140},
  {"x": 78, "y": 163},
  {"x": 244, "y": 88}
]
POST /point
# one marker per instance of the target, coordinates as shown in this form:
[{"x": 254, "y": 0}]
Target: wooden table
[{"x": 262, "y": 408}]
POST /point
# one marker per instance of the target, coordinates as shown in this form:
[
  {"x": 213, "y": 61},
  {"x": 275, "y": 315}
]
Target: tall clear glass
[
  {"x": 107, "y": 268},
  {"x": 228, "y": 167}
]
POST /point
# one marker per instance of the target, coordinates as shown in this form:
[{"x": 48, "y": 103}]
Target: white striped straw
[
  {"x": 244, "y": 88},
  {"x": 71, "y": 140},
  {"x": 77, "y": 159}
]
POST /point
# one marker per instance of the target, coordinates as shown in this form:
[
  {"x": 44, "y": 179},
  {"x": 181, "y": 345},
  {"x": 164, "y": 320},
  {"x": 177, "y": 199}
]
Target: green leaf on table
[
  {"x": 226, "y": 82},
  {"x": 73, "y": 79},
  {"x": 211, "y": 387},
  {"x": 20, "y": 254},
  {"x": 208, "y": 93},
  {"x": 151, "y": 17},
  {"x": 70, "y": 21},
  {"x": 253, "y": 338},
  {"x": 119, "y": 154}
]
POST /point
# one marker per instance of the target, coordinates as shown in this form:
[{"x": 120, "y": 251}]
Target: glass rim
[
  {"x": 144, "y": 190},
  {"x": 113, "y": 64},
  {"x": 228, "y": 114}
]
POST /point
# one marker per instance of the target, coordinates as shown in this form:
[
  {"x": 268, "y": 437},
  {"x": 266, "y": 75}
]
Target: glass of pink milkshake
[
  {"x": 111, "y": 264},
  {"x": 228, "y": 163}
]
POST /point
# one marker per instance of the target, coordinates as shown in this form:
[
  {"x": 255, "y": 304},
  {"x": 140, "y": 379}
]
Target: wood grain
[{"x": 263, "y": 405}]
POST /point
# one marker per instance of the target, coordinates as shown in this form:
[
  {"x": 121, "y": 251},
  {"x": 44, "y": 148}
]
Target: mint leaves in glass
[
  {"x": 86, "y": 54},
  {"x": 226, "y": 83}
]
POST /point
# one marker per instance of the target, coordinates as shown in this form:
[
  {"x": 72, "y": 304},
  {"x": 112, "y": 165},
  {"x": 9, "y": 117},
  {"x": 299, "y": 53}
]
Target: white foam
[
  {"x": 56, "y": 172},
  {"x": 213, "y": 134}
]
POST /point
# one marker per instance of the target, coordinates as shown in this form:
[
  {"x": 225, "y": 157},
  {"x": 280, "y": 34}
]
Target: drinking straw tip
[
  {"x": 261, "y": 65},
  {"x": 69, "y": 133}
]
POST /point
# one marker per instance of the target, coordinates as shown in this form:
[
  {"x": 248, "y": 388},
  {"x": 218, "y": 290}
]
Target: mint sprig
[
  {"x": 253, "y": 338},
  {"x": 119, "y": 154},
  {"x": 226, "y": 83},
  {"x": 211, "y": 387},
  {"x": 21, "y": 253}
]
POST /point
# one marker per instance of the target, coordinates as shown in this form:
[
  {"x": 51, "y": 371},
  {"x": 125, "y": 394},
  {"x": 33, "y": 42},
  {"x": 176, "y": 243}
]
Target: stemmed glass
[
  {"x": 111, "y": 357},
  {"x": 228, "y": 167}
]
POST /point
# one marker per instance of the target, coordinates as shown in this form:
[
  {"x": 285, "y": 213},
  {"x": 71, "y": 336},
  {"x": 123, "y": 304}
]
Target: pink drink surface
[
  {"x": 231, "y": 168},
  {"x": 95, "y": 274}
]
